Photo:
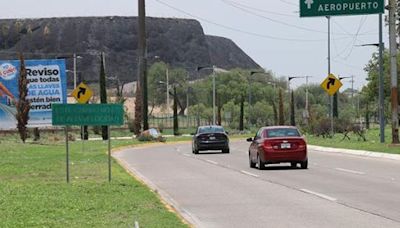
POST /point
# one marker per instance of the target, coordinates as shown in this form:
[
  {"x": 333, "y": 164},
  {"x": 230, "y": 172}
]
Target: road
[{"x": 221, "y": 190}]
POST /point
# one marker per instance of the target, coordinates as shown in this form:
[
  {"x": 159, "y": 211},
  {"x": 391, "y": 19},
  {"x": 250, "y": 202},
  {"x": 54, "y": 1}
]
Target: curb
[{"x": 363, "y": 153}]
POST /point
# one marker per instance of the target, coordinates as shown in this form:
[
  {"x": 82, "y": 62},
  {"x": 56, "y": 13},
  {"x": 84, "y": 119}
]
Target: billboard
[{"x": 46, "y": 85}]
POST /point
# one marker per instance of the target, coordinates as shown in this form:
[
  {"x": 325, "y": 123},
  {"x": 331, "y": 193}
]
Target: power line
[
  {"x": 289, "y": 3},
  {"x": 243, "y": 7},
  {"x": 264, "y": 11},
  {"x": 270, "y": 19},
  {"x": 236, "y": 29}
]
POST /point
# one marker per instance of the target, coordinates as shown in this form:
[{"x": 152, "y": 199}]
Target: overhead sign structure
[
  {"x": 82, "y": 93},
  {"x": 46, "y": 85},
  {"x": 316, "y": 8},
  {"x": 88, "y": 114},
  {"x": 331, "y": 84}
]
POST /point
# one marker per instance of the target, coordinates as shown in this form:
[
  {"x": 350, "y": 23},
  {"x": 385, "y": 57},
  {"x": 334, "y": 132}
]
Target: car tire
[
  {"x": 252, "y": 164},
  {"x": 261, "y": 164},
  {"x": 194, "y": 150},
  {"x": 293, "y": 165},
  {"x": 225, "y": 151},
  {"x": 304, "y": 164}
]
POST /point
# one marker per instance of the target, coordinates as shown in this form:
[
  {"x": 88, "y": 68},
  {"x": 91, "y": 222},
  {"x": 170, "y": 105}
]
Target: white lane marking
[
  {"x": 212, "y": 162},
  {"x": 318, "y": 194},
  {"x": 248, "y": 173},
  {"x": 187, "y": 155},
  {"x": 178, "y": 149},
  {"x": 350, "y": 171}
]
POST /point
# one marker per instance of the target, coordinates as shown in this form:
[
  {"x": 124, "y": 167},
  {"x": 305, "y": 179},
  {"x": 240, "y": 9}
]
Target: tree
[
  {"x": 156, "y": 90},
  {"x": 23, "y": 106},
  {"x": 176, "y": 127},
  {"x": 103, "y": 93},
  {"x": 292, "y": 114},
  {"x": 281, "y": 115},
  {"x": 138, "y": 110}
]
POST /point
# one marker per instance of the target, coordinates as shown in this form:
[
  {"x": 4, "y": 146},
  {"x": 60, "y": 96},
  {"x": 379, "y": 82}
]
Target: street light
[
  {"x": 215, "y": 70},
  {"x": 381, "y": 103},
  {"x": 167, "y": 82},
  {"x": 175, "y": 115},
  {"x": 292, "y": 116},
  {"x": 75, "y": 57},
  {"x": 268, "y": 82}
]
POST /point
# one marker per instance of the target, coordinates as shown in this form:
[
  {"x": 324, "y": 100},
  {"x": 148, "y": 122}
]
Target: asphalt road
[{"x": 221, "y": 190}]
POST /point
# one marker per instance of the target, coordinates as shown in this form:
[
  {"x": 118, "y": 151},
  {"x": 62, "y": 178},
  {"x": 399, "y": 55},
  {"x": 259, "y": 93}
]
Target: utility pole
[
  {"x": 393, "y": 71},
  {"x": 329, "y": 71},
  {"x": 167, "y": 76},
  {"x": 306, "y": 111},
  {"x": 381, "y": 82},
  {"x": 143, "y": 62}
]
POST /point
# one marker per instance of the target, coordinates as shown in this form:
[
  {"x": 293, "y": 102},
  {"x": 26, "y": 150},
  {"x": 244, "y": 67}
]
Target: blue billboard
[{"x": 47, "y": 84}]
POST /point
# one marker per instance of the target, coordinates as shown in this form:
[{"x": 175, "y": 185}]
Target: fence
[{"x": 167, "y": 122}]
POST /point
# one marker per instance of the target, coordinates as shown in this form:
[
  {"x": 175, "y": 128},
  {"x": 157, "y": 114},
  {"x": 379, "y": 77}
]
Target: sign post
[
  {"x": 331, "y": 85},
  {"x": 88, "y": 114}
]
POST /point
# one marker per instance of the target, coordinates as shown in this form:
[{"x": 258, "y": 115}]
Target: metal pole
[
  {"x": 109, "y": 153},
  {"x": 249, "y": 102},
  {"x": 329, "y": 69},
  {"x": 307, "y": 103},
  {"x": 143, "y": 61},
  {"x": 393, "y": 71},
  {"x": 74, "y": 70},
  {"x": 213, "y": 77},
  {"x": 187, "y": 107},
  {"x": 67, "y": 154},
  {"x": 352, "y": 90},
  {"x": 167, "y": 75},
  {"x": 381, "y": 83}
]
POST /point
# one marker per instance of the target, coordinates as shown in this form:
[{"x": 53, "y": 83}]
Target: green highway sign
[
  {"x": 315, "y": 8},
  {"x": 87, "y": 114}
]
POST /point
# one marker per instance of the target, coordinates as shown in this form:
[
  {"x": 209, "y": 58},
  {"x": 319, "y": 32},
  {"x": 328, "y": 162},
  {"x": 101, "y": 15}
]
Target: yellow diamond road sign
[
  {"x": 331, "y": 84},
  {"x": 82, "y": 93}
]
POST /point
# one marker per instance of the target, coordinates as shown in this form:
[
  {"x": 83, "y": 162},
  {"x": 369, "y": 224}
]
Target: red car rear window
[{"x": 282, "y": 132}]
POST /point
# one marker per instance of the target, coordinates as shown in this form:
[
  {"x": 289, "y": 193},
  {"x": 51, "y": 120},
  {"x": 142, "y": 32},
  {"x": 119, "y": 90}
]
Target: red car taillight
[
  {"x": 302, "y": 144},
  {"x": 267, "y": 145}
]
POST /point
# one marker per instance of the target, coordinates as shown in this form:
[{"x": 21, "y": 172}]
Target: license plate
[
  {"x": 212, "y": 138},
  {"x": 285, "y": 145}
]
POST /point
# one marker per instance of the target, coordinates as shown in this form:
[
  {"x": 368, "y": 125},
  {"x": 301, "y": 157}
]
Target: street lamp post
[
  {"x": 381, "y": 102},
  {"x": 352, "y": 91},
  {"x": 292, "y": 114},
  {"x": 74, "y": 71},
  {"x": 175, "y": 108},
  {"x": 268, "y": 82},
  {"x": 215, "y": 70}
]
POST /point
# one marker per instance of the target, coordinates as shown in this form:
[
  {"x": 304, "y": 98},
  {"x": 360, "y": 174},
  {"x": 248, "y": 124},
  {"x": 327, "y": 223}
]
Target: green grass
[
  {"x": 34, "y": 192},
  {"x": 372, "y": 143}
]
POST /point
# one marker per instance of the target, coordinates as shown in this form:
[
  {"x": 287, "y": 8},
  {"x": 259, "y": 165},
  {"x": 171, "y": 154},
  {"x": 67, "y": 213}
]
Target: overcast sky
[{"x": 269, "y": 31}]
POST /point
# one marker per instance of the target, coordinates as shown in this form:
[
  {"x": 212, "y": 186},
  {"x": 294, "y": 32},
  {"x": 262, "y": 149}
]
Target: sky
[{"x": 271, "y": 32}]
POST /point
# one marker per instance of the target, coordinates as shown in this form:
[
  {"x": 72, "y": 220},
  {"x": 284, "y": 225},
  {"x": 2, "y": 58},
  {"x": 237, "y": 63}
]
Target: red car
[{"x": 278, "y": 144}]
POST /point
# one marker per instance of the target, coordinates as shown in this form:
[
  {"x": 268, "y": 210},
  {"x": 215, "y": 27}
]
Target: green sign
[
  {"x": 315, "y": 8},
  {"x": 87, "y": 114}
]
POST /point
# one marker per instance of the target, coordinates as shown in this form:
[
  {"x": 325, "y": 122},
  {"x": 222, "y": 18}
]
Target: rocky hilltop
[{"x": 178, "y": 42}]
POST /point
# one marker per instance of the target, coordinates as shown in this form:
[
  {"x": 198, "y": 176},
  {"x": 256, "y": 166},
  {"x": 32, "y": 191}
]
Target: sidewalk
[{"x": 356, "y": 152}]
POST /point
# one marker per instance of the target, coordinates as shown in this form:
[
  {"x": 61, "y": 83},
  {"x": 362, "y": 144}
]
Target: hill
[{"x": 178, "y": 42}]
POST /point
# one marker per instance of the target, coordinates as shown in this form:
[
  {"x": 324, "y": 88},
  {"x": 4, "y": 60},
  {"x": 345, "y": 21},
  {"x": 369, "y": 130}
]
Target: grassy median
[
  {"x": 34, "y": 192},
  {"x": 356, "y": 143}
]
